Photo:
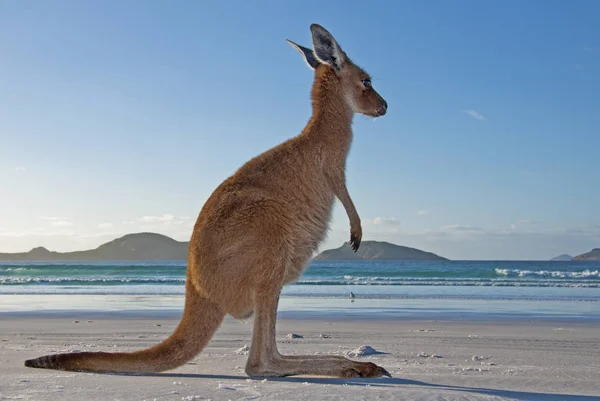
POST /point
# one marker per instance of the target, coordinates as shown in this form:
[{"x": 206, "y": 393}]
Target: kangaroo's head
[{"x": 355, "y": 83}]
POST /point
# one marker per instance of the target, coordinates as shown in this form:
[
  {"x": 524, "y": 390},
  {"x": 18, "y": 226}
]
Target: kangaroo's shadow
[{"x": 388, "y": 382}]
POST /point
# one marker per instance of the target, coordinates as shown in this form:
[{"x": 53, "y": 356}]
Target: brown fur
[{"x": 256, "y": 233}]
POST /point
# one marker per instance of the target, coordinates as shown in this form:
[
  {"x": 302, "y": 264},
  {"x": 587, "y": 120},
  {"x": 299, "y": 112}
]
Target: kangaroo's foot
[
  {"x": 332, "y": 359},
  {"x": 311, "y": 365},
  {"x": 313, "y": 357}
]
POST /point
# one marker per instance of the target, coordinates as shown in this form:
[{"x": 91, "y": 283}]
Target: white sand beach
[{"x": 429, "y": 360}]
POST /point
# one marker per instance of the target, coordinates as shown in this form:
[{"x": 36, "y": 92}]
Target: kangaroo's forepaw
[{"x": 365, "y": 369}]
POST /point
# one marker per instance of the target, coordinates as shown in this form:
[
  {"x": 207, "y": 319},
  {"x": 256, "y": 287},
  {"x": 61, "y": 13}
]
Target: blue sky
[{"x": 119, "y": 117}]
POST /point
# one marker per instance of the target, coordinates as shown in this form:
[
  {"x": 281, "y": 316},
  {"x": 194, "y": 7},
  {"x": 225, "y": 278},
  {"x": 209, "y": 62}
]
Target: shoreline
[
  {"x": 313, "y": 308},
  {"x": 308, "y": 316}
]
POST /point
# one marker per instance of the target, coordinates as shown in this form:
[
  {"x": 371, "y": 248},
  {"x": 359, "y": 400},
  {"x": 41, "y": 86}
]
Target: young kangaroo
[{"x": 257, "y": 232}]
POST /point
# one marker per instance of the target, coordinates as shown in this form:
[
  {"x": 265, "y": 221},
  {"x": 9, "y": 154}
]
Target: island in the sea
[
  {"x": 153, "y": 246},
  {"x": 377, "y": 250},
  {"x": 138, "y": 246},
  {"x": 592, "y": 255}
]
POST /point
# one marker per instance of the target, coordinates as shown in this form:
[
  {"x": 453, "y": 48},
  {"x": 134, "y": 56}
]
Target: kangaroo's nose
[{"x": 382, "y": 109}]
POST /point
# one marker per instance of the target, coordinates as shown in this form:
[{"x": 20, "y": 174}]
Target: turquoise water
[
  {"x": 370, "y": 278},
  {"x": 390, "y": 288}
]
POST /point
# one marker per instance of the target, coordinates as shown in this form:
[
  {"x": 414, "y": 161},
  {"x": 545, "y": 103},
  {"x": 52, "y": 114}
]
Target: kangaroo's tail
[{"x": 201, "y": 318}]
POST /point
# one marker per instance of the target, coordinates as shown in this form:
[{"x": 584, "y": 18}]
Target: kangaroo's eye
[{"x": 366, "y": 83}]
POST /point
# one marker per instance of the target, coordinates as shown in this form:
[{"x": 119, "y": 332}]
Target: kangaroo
[{"x": 258, "y": 231}]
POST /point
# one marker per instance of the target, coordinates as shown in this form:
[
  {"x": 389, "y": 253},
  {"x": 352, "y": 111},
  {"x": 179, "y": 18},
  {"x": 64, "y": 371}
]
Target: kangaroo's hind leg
[{"x": 265, "y": 360}]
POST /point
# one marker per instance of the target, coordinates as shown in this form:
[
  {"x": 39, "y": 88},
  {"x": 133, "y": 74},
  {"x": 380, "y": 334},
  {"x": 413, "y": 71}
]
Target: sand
[{"x": 430, "y": 360}]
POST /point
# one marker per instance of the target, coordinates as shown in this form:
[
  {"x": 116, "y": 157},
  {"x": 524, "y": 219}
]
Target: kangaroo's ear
[
  {"x": 309, "y": 55},
  {"x": 326, "y": 48}
]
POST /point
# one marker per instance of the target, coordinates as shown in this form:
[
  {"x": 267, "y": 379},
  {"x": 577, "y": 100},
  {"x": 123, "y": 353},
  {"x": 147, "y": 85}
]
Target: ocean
[{"x": 383, "y": 289}]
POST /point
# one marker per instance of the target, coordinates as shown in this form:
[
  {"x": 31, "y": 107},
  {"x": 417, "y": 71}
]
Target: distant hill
[
  {"x": 562, "y": 258},
  {"x": 377, "y": 250},
  {"x": 152, "y": 246},
  {"x": 594, "y": 254},
  {"x": 139, "y": 246}
]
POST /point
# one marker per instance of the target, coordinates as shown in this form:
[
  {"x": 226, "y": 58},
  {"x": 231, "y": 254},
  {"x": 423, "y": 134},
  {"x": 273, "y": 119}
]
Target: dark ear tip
[{"x": 316, "y": 28}]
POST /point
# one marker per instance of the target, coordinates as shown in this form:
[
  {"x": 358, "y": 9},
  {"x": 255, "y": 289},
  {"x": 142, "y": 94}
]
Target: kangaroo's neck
[{"x": 331, "y": 119}]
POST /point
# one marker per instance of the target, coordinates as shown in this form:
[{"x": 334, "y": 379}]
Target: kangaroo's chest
[{"x": 310, "y": 231}]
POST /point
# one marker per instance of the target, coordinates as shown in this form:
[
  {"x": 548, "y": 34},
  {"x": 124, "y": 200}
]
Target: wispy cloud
[
  {"x": 588, "y": 49},
  {"x": 57, "y": 221},
  {"x": 527, "y": 221},
  {"x": 107, "y": 235},
  {"x": 37, "y": 233},
  {"x": 523, "y": 224},
  {"x": 461, "y": 228},
  {"x": 423, "y": 212},
  {"x": 106, "y": 225},
  {"x": 475, "y": 114},
  {"x": 164, "y": 219},
  {"x": 61, "y": 223},
  {"x": 451, "y": 231},
  {"x": 388, "y": 221},
  {"x": 20, "y": 169},
  {"x": 587, "y": 229},
  {"x": 471, "y": 233}
]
